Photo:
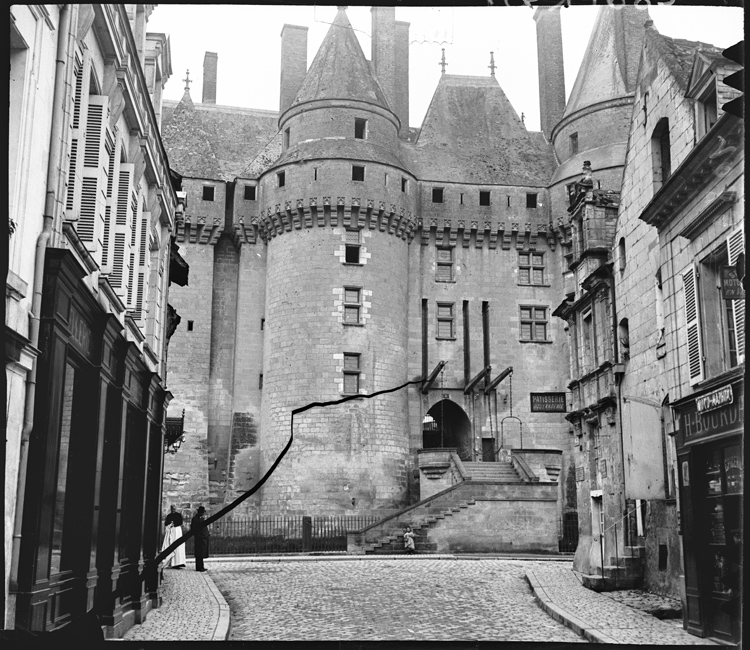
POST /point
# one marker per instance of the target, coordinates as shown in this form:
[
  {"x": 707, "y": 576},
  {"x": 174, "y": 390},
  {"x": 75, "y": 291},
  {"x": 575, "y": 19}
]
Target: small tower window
[
  {"x": 437, "y": 194},
  {"x": 281, "y": 179},
  {"x": 508, "y": 200},
  {"x": 403, "y": 184},
  {"x": 574, "y": 143},
  {"x": 484, "y": 197},
  {"x": 530, "y": 200},
  {"x": 360, "y": 128},
  {"x": 190, "y": 326},
  {"x": 351, "y": 373},
  {"x": 249, "y": 192},
  {"x": 351, "y": 253},
  {"x": 358, "y": 173},
  {"x": 462, "y": 198},
  {"x": 287, "y": 134},
  {"x": 208, "y": 193},
  {"x": 660, "y": 153},
  {"x": 315, "y": 173},
  {"x": 621, "y": 261}
]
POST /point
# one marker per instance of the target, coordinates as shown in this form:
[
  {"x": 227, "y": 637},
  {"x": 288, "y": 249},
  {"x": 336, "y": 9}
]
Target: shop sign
[
  {"x": 721, "y": 418},
  {"x": 548, "y": 403},
  {"x": 714, "y": 400},
  {"x": 731, "y": 286}
]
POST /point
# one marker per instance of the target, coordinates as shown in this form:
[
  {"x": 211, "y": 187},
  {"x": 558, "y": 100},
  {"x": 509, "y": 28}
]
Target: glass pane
[
  {"x": 526, "y": 313},
  {"x": 540, "y": 313},
  {"x": 523, "y": 259},
  {"x": 733, "y": 469},
  {"x": 58, "y": 563},
  {"x": 351, "y": 362},
  {"x": 445, "y": 329},
  {"x": 540, "y": 332},
  {"x": 445, "y": 311},
  {"x": 351, "y": 314},
  {"x": 536, "y": 260},
  {"x": 352, "y": 254},
  {"x": 351, "y": 295},
  {"x": 523, "y": 276},
  {"x": 526, "y": 331},
  {"x": 351, "y": 383},
  {"x": 444, "y": 255},
  {"x": 538, "y": 276}
]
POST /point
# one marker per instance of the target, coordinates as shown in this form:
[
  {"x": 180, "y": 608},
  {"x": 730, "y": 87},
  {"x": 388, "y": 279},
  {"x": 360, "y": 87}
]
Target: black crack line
[{"x": 154, "y": 563}]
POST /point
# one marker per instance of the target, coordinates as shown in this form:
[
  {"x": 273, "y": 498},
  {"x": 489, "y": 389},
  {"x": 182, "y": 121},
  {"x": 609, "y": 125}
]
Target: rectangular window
[
  {"x": 281, "y": 179},
  {"x": 360, "y": 128},
  {"x": 462, "y": 198},
  {"x": 287, "y": 137},
  {"x": 262, "y": 323},
  {"x": 351, "y": 373},
  {"x": 437, "y": 194},
  {"x": 208, "y": 193},
  {"x": 249, "y": 192},
  {"x": 573, "y": 143},
  {"x": 260, "y": 382},
  {"x": 352, "y": 305},
  {"x": 385, "y": 179},
  {"x": 358, "y": 173},
  {"x": 533, "y": 323},
  {"x": 587, "y": 350},
  {"x": 352, "y": 247},
  {"x": 445, "y": 320},
  {"x": 706, "y": 112},
  {"x": 484, "y": 197},
  {"x": 403, "y": 184},
  {"x": 530, "y": 200},
  {"x": 444, "y": 269},
  {"x": 531, "y": 268},
  {"x": 315, "y": 173},
  {"x": 190, "y": 326}
]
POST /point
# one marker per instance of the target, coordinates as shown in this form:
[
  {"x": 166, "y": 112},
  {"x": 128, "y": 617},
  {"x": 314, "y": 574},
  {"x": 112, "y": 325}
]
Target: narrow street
[{"x": 385, "y": 600}]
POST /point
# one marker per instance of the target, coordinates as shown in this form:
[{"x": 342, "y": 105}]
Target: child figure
[{"x": 409, "y": 540}]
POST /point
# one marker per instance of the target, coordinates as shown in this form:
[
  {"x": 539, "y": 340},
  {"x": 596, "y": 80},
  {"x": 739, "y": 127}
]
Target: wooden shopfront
[
  {"x": 90, "y": 519},
  {"x": 709, "y": 441}
]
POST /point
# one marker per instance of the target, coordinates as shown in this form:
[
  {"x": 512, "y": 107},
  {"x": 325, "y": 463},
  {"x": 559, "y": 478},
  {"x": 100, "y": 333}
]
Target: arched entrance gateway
[{"x": 447, "y": 425}]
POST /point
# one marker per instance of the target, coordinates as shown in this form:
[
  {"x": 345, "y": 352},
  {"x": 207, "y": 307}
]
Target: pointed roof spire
[
  {"x": 187, "y": 101},
  {"x": 340, "y": 69}
]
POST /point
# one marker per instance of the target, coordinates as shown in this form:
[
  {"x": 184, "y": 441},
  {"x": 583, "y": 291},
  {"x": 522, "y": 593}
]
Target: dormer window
[
  {"x": 661, "y": 154},
  {"x": 707, "y": 112}
]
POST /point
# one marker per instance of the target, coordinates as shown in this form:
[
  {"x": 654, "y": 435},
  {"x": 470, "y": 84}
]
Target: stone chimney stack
[
  {"x": 384, "y": 51},
  {"x": 293, "y": 63},
  {"x": 401, "y": 101},
  {"x": 210, "y": 61},
  {"x": 551, "y": 70}
]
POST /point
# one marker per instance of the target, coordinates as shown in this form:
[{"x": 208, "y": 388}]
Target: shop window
[
  {"x": 208, "y": 193},
  {"x": 661, "y": 155},
  {"x": 358, "y": 173},
  {"x": 437, "y": 194},
  {"x": 352, "y": 246},
  {"x": 444, "y": 268},
  {"x": 484, "y": 197},
  {"x": 531, "y": 200},
  {"x": 531, "y": 268},
  {"x": 360, "y": 128},
  {"x": 249, "y": 192},
  {"x": 352, "y": 305},
  {"x": 533, "y": 321},
  {"x": 351, "y": 373},
  {"x": 445, "y": 320}
]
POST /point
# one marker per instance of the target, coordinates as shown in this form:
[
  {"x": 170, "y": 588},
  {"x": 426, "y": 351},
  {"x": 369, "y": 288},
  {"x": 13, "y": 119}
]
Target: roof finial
[
  {"x": 442, "y": 63},
  {"x": 492, "y": 65},
  {"x": 187, "y": 80},
  {"x": 523, "y": 118}
]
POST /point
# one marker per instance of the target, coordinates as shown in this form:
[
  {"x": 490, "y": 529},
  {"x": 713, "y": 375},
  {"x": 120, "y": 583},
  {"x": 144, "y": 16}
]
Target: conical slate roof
[
  {"x": 610, "y": 64},
  {"x": 340, "y": 69},
  {"x": 472, "y": 134}
]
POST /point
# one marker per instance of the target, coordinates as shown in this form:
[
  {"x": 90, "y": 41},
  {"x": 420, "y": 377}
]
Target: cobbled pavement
[{"x": 385, "y": 600}]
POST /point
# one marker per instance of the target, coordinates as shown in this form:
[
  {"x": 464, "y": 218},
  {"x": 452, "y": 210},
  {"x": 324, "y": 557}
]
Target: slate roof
[
  {"x": 610, "y": 64},
  {"x": 472, "y": 134},
  {"x": 679, "y": 54},
  {"x": 340, "y": 69},
  {"x": 215, "y": 142}
]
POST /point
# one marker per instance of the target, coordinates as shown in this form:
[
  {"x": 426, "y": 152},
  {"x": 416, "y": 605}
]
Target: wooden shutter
[
  {"x": 113, "y": 170},
  {"x": 135, "y": 209},
  {"x": 735, "y": 246},
  {"x": 143, "y": 264},
  {"x": 692, "y": 322},
  {"x": 120, "y": 273},
  {"x": 80, "y": 101},
  {"x": 97, "y": 147}
]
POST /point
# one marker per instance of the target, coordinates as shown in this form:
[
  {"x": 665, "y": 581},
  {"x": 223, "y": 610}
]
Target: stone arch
[{"x": 447, "y": 425}]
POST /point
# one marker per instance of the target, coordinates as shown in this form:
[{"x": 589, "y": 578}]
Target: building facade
[{"x": 92, "y": 215}]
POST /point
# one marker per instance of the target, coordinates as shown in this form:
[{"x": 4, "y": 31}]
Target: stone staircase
[
  {"x": 502, "y": 471},
  {"x": 625, "y": 572}
]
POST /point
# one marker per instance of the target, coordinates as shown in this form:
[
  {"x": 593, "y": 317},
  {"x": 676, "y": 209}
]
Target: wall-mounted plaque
[{"x": 548, "y": 403}]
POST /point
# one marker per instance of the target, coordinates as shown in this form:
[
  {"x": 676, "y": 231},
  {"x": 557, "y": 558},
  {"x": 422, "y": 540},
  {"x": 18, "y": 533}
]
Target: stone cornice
[{"x": 197, "y": 230}]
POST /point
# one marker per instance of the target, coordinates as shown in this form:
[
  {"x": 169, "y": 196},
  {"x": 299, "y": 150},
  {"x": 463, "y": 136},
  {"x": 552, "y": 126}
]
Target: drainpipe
[
  {"x": 65, "y": 36},
  {"x": 616, "y": 349}
]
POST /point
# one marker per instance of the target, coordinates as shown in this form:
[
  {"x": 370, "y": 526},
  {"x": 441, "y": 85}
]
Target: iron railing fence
[{"x": 281, "y": 534}]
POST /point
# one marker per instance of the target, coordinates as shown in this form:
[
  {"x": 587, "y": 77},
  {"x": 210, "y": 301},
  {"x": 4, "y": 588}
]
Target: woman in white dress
[{"x": 173, "y": 532}]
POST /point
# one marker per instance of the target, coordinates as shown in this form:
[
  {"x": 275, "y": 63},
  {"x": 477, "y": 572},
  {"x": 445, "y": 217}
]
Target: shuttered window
[
  {"x": 352, "y": 305},
  {"x": 533, "y": 323},
  {"x": 74, "y": 172},
  {"x": 735, "y": 249},
  {"x": 351, "y": 373},
  {"x": 445, "y": 319},
  {"x": 93, "y": 197},
  {"x": 121, "y": 254},
  {"x": 531, "y": 268},
  {"x": 444, "y": 266},
  {"x": 692, "y": 321},
  {"x": 351, "y": 253}
]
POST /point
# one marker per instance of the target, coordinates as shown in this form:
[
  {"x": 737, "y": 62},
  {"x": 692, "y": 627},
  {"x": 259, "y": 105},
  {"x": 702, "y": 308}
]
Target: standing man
[{"x": 199, "y": 528}]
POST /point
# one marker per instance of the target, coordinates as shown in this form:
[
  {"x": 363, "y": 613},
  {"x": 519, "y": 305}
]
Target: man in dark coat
[{"x": 198, "y": 526}]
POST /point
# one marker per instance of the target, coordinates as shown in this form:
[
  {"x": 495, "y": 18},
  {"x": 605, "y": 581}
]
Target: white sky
[{"x": 247, "y": 40}]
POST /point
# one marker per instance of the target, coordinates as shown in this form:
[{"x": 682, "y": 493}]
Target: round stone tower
[{"x": 336, "y": 212}]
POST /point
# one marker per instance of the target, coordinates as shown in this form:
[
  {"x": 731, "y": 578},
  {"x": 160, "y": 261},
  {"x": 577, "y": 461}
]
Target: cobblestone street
[{"x": 385, "y": 599}]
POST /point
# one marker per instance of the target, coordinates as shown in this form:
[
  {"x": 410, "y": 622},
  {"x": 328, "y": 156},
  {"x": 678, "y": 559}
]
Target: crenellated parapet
[
  {"x": 349, "y": 212},
  {"x": 199, "y": 230},
  {"x": 474, "y": 232}
]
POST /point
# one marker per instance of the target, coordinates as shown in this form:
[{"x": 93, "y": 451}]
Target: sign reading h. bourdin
[
  {"x": 548, "y": 403},
  {"x": 720, "y": 411}
]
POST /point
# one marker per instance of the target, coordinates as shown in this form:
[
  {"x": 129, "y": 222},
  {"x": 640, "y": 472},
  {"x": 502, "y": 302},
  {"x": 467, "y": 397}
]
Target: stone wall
[{"x": 663, "y": 548}]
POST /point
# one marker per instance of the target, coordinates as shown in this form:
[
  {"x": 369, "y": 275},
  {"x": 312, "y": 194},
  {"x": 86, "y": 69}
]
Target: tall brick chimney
[
  {"x": 293, "y": 63},
  {"x": 551, "y": 71},
  {"x": 384, "y": 51},
  {"x": 210, "y": 61},
  {"x": 401, "y": 101}
]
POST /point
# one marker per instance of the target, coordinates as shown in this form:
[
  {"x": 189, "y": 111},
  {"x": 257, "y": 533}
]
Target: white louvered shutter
[
  {"x": 75, "y": 166},
  {"x": 123, "y": 228},
  {"x": 110, "y": 210},
  {"x": 692, "y": 320},
  {"x": 142, "y": 266},
  {"x": 135, "y": 208},
  {"x": 735, "y": 246},
  {"x": 98, "y": 146}
]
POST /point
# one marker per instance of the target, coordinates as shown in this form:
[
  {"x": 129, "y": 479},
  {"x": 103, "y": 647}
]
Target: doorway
[{"x": 447, "y": 425}]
